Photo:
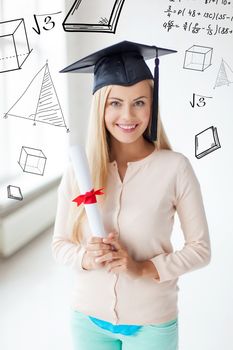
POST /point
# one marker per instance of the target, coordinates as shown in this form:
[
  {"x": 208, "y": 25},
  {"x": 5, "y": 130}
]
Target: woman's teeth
[{"x": 127, "y": 127}]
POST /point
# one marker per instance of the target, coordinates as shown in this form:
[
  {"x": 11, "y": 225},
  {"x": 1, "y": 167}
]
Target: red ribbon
[{"x": 88, "y": 197}]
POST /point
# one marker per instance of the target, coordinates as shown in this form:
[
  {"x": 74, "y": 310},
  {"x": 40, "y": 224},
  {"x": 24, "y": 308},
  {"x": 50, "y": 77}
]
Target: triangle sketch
[
  {"x": 225, "y": 73},
  {"x": 47, "y": 108}
]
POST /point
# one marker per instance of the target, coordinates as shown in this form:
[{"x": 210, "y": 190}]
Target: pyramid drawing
[
  {"x": 46, "y": 109},
  {"x": 225, "y": 75}
]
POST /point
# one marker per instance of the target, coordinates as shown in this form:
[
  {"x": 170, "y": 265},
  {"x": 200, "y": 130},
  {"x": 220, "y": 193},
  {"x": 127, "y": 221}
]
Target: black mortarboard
[{"x": 123, "y": 64}]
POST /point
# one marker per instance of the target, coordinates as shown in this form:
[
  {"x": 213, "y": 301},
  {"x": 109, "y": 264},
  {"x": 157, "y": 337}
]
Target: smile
[{"x": 127, "y": 127}]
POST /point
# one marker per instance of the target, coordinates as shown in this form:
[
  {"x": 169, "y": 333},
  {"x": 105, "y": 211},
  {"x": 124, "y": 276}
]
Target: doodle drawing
[
  {"x": 225, "y": 75},
  {"x": 14, "y": 192},
  {"x": 206, "y": 141},
  {"x": 32, "y": 160},
  {"x": 14, "y": 46},
  {"x": 46, "y": 109},
  {"x": 93, "y": 16},
  {"x": 198, "y": 58}
]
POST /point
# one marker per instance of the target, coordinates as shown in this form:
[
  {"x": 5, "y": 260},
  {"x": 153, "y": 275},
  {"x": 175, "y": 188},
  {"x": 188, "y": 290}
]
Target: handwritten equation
[
  {"x": 193, "y": 20},
  {"x": 195, "y": 28},
  {"x": 216, "y": 2}
]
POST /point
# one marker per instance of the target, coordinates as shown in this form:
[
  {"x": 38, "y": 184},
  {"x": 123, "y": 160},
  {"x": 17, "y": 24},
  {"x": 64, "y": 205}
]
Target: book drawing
[
  {"x": 93, "y": 16},
  {"x": 14, "y": 192},
  {"x": 206, "y": 141}
]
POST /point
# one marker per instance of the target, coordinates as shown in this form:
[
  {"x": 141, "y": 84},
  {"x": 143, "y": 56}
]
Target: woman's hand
[
  {"x": 95, "y": 248},
  {"x": 119, "y": 260}
]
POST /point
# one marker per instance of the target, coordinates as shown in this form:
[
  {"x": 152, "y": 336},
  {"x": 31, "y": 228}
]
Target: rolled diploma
[{"x": 83, "y": 177}]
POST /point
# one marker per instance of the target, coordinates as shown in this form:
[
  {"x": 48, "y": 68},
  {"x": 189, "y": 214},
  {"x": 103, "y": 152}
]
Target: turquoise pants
[{"x": 88, "y": 336}]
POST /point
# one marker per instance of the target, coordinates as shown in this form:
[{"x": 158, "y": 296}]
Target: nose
[{"x": 128, "y": 113}]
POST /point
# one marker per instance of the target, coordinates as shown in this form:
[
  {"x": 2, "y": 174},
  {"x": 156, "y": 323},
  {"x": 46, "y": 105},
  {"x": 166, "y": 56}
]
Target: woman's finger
[
  {"x": 114, "y": 242},
  {"x": 98, "y": 253},
  {"x": 95, "y": 239},
  {"x": 108, "y": 257},
  {"x": 115, "y": 263},
  {"x": 98, "y": 246},
  {"x": 113, "y": 239}
]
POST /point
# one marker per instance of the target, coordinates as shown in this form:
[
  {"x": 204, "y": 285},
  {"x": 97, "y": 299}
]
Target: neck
[{"x": 130, "y": 152}]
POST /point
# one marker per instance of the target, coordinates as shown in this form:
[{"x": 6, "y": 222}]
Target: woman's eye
[
  {"x": 139, "y": 103},
  {"x": 115, "y": 103}
]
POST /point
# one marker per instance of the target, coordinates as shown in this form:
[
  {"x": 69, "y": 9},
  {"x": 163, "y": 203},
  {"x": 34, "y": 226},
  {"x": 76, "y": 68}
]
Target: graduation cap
[{"x": 124, "y": 64}]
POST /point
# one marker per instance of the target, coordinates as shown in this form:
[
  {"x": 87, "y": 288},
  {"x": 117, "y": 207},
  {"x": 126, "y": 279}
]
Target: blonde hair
[{"x": 98, "y": 150}]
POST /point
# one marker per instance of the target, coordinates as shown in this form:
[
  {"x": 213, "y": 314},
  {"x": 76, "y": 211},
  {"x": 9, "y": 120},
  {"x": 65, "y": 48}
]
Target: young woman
[{"x": 126, "y": 289}]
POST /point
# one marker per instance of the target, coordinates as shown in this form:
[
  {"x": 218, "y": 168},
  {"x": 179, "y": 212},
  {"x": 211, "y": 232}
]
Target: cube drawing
[
  {"x": 14, "y": 46},
  {"x": 198, "y": 58},
  {"x": 32, "y": 160}
]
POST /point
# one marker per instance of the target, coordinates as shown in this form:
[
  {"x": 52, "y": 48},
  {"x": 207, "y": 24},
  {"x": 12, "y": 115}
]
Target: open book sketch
[
  {"x": 225, "y": 75},
  {"x": 206, "y": 141},
  {"x": 32, "y": 160},
  {"x": 46, "y": 108},
  {"x": 93, "y": 16},
  {"x": 14, "y": 46},
  {"x": 14, "y": 192}
]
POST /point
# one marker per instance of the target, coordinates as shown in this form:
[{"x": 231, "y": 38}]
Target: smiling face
[{"x": 127, "y": 111}]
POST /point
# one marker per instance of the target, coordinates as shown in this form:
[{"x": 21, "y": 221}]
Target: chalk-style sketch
[
  {"x": 198, "y": 58},
  {"x": 14, "y": 192},
  {"x": 32, "y": 160},
  {"x": 206, "y": 141},
  {"x": 46, "y": 108},
  {"x": 225, "y": 75},
  {"x": 14, "y": 45},
  {"x": 93, "y": 16}
]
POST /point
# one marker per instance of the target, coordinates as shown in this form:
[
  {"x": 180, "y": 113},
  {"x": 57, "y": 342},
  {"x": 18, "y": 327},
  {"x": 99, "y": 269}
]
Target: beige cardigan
[{"x": 141, "y": 210}]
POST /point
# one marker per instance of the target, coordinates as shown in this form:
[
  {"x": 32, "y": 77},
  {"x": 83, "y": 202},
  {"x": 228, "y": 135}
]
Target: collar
[{"x": 140, "y": 162}]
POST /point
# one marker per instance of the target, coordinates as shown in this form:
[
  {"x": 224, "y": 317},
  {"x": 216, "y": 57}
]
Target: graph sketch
[
  {"x": 46, "y": 109},
  {"x": 93, "y": 16},
  {"x": 206, "y": 141},
  {"x": 225, "y": 75},
  {"x": 14, "y": 192},
  {"x": 198, "y": 58},
  {"x": 14, "y": 46}
]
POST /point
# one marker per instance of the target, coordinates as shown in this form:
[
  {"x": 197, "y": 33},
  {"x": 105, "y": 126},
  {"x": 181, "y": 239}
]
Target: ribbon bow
[{"x": 88, "y": 197}]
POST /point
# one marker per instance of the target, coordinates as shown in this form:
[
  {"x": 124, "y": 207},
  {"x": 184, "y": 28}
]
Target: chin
[{"x": 127, "y": 140}]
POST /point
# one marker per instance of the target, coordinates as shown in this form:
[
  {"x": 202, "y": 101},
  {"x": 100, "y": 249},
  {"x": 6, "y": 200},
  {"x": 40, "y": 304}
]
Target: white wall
[
  {"x": 205, "y": 302},
  {"x": 205, "y": 295}
]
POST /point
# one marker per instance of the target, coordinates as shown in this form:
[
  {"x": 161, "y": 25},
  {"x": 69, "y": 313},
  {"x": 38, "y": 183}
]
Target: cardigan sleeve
[
  {"x": 64, "y": 251},
  {"x": 196, "y": 252}
]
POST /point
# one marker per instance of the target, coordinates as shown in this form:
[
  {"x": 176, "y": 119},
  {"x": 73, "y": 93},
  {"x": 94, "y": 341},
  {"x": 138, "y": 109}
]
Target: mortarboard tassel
[{"x": 153, "y": 131}]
